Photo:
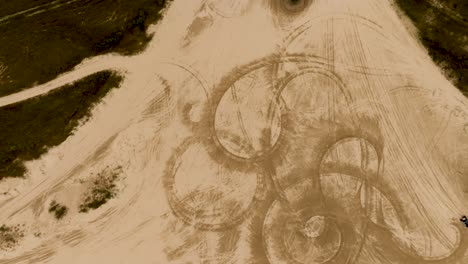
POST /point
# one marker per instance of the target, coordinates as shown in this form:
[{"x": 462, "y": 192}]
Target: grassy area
[
  {"x": 102, "y": 189},
  {"x": 445, "y": 36},
  {"x": 58, "y": 210},
  {"x": 35, "y": 48},
  {"x": 30, "y": 127},
  {"x": 10, "y": 7}
]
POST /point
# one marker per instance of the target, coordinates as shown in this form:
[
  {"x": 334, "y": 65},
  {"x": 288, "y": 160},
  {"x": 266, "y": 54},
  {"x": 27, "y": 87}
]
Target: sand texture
[{"x": 255, "y": 131}]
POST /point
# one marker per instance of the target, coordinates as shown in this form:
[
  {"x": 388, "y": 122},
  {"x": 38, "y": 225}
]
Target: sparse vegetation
[
  {"x": 10, "y": 236},
  {"x": 58, "y": 210},
  {"x": 30, "y": 127},
  {"x": 103, "y": 188}
]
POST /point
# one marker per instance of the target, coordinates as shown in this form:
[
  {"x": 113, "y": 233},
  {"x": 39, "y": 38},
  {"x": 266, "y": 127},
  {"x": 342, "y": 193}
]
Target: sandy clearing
[{"x": 386, "y": 92}]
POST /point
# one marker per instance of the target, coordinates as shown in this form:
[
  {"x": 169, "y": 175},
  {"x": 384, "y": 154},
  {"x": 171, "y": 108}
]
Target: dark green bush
[{"x": 58, "y": 210}]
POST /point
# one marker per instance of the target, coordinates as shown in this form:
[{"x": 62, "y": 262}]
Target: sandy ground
[{"x": 259, "y": 132}]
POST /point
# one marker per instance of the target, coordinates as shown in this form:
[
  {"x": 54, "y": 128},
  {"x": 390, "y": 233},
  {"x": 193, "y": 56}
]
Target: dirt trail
[{"x": 319, "y": 132}]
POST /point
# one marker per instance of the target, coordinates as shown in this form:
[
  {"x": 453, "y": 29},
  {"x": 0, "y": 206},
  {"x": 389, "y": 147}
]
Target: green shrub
[{"x": 58, "y": 210}]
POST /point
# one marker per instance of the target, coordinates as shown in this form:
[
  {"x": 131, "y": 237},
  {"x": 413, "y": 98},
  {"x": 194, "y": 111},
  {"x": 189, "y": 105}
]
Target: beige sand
[{"x": 259, "y": 132}]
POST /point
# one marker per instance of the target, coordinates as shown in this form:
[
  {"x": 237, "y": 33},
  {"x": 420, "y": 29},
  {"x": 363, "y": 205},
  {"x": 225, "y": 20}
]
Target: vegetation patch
[
  {"x": 10, "y": 236},
  {"x": 443, "y": 30},
  {"x": 39, "y": 44},
  {"x": 58, "y": 210},
  {"x": 30, "y": 127},
  {"x": 103, "y": 188}
]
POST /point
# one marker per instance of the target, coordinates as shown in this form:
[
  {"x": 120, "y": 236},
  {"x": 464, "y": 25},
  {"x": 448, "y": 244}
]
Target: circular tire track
[
  {"x": 200, "y": 218},
  {"x": 283, "y": 232},
  {"x": 269, "y": 64},
  {"x": 320, "y": 202}
]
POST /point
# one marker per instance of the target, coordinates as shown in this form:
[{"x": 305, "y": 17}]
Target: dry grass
[
  {"x": 103, "y": 188},
  {"x": 10, "y": 236}
]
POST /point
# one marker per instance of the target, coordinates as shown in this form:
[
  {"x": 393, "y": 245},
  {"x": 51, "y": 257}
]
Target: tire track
[{"x": 36, "y": 10}]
